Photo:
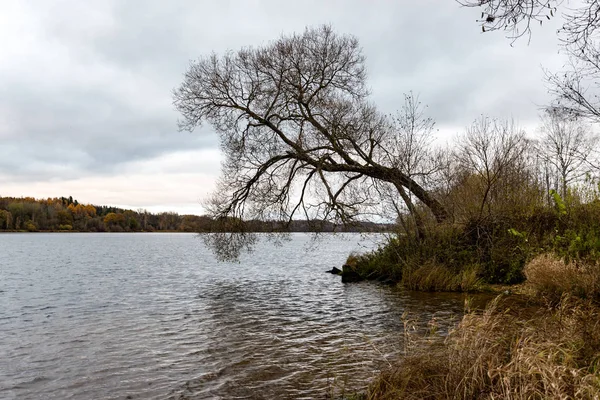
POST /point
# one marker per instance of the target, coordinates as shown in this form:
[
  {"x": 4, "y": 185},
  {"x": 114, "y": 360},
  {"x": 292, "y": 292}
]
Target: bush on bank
[{"x": 464, "y": 256}]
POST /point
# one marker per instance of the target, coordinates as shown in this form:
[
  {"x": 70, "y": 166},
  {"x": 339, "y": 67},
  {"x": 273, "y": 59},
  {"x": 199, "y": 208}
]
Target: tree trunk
[
  {"x": 396, "y": 177},
  {"x": 419, "y": 225},
  {"x": 437, "y": 209}
]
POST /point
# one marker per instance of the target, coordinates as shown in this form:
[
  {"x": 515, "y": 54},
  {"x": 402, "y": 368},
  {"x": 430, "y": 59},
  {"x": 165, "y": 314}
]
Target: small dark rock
[{"x": 335, "y": 271}]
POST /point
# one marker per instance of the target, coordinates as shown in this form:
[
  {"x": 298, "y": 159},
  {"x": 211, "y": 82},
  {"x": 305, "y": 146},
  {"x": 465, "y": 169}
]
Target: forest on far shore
[{"x": 67, "y": 214}]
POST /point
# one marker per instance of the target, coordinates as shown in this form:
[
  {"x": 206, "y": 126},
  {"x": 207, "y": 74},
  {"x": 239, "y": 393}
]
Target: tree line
[{"x": 67, "y": 214}]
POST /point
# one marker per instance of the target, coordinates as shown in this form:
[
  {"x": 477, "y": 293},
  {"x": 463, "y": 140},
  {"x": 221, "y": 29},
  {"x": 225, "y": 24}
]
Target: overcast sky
[{"x": 85, "y": 86}]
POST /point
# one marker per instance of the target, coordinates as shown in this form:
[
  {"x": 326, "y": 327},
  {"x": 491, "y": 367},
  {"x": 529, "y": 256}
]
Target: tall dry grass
[
  {"x": 550, "y": 277},
  {"x": 433, "y": 277},
  {"x": 504, "y": 354}
]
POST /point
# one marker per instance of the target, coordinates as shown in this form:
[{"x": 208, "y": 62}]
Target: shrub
[
  {"x": 449, "y": 255},
  {"x": 383, "y": 264},
  {"x": 499, "y": 246}
]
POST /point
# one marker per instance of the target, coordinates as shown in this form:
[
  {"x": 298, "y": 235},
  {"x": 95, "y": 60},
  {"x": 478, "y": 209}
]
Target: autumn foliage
[{"x": 67, "y": 214}]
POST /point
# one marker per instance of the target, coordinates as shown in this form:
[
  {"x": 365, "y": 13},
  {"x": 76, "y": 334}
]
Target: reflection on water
[{"x": 153, "y": 316}]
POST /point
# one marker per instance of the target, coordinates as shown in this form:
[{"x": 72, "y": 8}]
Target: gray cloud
[{"x": 85, "y": 87}]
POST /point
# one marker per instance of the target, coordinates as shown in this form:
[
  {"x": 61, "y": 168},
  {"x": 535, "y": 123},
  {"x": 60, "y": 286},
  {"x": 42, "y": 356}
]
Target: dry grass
[
  {"x": 432, "y": 277},
  {"x": 549, "y": 277},
  {"x": 352, "y": 259},
  {"x": 503, "y": 354}
]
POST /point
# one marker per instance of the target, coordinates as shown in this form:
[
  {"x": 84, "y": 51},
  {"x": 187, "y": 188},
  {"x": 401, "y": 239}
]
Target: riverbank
[
  {"x": 504, "y": 352},
  {"x": 536, "y": 340},
  {"x": 475, "y": 253},
  {"x": 539, "y": 339}
]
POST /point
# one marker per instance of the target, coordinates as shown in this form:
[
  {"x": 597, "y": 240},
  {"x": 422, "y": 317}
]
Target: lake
[{"x": 155, "y": 316}]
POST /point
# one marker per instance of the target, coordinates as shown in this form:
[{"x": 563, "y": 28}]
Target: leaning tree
[{"x": 301, "y": 139}]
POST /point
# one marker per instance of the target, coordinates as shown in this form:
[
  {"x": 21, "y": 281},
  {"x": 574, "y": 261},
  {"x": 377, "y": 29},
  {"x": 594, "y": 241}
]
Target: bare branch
[{"x": 513, "y": 16}]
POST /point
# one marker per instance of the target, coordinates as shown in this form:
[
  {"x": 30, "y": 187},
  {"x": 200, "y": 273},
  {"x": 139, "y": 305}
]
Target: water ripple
[{"x": 153, "y": 316}]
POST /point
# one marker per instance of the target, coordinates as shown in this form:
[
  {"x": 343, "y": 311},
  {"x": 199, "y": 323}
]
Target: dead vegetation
[
  {"x": 508, "y": 351},
  {"x": 550, "y": 277}
]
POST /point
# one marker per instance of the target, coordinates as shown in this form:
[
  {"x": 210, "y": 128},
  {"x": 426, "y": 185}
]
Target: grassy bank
[
  {"x": 542, "y": 344},
  {"x": 545, "y": 345},
  {"x": 469, "y": 255},
  {"x": 504, "y": 353}
]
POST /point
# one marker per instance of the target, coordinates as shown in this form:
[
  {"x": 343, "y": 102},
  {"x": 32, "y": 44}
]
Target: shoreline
[{"x": 13, "y": 231}]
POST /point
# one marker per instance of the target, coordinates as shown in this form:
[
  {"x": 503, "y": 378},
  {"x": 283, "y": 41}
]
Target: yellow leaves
[
  {"x": 114, "y": 218},
  {"x": 80, "y": 210},
  {"x": 90, "y": 210}
]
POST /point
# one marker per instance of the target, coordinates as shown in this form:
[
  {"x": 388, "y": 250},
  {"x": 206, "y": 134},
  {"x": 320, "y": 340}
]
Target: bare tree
[
  {"x": 490, "y": 150},
  {"x": 410, "y": 151},
  {"x": 567, "y": 149},
  {"x": 301, "y": 139}
]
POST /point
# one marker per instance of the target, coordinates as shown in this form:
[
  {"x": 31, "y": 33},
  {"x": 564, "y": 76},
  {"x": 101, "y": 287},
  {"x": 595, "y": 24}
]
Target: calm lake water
[{"x": 154, "y": 316}]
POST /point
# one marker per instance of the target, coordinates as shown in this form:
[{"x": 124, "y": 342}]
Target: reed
[
  {"x": 504, "y": 353},
  {"x": 432, "y": 277},
  {"x": 550, "y": 277}
]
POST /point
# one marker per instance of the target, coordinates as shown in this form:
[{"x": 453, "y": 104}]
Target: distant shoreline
[
  {"x": 320, "y": 232},
  {"x": 65, "y": 215},
  {"x": 14, "y": 231}
]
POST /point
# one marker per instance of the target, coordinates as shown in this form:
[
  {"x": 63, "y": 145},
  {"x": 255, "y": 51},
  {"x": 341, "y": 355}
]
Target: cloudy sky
[{"x": 85, "y": 86}]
